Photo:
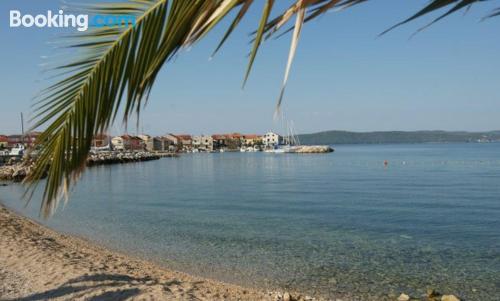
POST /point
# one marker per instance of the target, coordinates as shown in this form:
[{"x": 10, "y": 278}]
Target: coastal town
[
  {"x": 185, "y": 143},
  {"x": 168, "y": 143},
  {"x": 18, "y": 153}
]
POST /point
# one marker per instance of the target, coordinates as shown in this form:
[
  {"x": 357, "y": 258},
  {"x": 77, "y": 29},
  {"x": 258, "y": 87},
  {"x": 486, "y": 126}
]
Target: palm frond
[
  {"x": 117, "y": 72},
  {"x": 114, "y": 69},
  {"x": 494, "y": 13}
]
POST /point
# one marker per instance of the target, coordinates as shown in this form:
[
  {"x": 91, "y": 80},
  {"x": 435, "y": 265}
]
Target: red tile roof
[
  {"x": 101, "y": 137},
  {"x": 130, "y": 137},
  {"x": 234, "y": 136},
  {"x": 3, "y": 138}
]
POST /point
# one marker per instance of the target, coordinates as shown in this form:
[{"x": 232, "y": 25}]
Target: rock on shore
[
  {"x": 312, "y": 149},
  {"x": 120, "y": 157},
  {"x": 17, "y": 172}
]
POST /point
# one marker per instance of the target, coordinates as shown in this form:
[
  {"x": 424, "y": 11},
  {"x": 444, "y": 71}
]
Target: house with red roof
[
  {"x": 28, "y": 139},
  {"x": 186, "y": 142},
  {"x": 101, "y": 140},
  {"x": 4, "y": 141},
  {"x": 252, "y": 139},
  {"x": 128, "y": 143},
  {"x": 219, "y": 141}
]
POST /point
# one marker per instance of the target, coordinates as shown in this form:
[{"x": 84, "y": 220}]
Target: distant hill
[{"x": 345, "y": 137}]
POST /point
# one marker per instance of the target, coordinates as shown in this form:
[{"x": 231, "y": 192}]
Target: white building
[
  {"x": 148, "y": 142},
  {"x": 203, "y": 143},
  {"x": 270, "y": 139},
  {"x": 118, "y": 143},
  {"x": 171, "y": 143}
]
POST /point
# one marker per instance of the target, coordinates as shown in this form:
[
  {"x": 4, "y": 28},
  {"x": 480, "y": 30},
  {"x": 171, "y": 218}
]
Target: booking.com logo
[{"x": 62, "y": 20}]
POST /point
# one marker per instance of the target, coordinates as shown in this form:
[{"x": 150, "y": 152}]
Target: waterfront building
[
  {"x": 101, "y": 140},
  {"x": 158, "y": 145},
  {"x": 203, "y": 143},
  {"x": 4, "y": 142},
  {"x": 13, "y": 140},
  {"x": 134, "y": 143},
  {"x": 207, "y": 143},
  {"x": 252, "y": 139},
  {"x": 128, "y": 143},
  {"x": 172, "y": 142},
  {"x": 234, "y": 141},
  {"x": 270, "y": 139},
  {"x": 186, "y": 142},
  {"x": 28, "y": 139},
  {"x": 148, "y": 142},
  {"x": 118, "y": 143},
  {"x": 218, "y": 141},
  {"x": 167, "y": 143}
]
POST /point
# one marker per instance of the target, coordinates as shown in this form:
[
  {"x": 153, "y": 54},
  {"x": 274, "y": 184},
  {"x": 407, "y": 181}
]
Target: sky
[{"x": 344, "y": 77}]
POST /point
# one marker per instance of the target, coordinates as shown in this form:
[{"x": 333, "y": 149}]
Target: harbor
[
  {"x": 18, "y": 153},
  {"x": 16, "y": 168}
]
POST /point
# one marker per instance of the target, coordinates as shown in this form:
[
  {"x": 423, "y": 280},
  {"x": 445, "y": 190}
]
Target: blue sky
[{"x": 343, "y": 77}]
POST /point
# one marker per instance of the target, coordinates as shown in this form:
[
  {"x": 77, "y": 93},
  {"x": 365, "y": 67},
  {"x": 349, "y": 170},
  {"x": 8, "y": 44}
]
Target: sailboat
[
  {"x": 291, "y": 143},
  {"x": 19, "y": 149}
]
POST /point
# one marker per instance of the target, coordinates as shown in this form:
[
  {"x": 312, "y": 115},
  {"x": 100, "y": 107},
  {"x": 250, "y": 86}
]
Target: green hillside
[{"x": 345, "y": 137}]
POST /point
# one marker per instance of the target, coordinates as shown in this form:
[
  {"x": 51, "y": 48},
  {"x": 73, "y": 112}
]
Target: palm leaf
[
  {"x": 258, "y": 39},
  {"x": 300, "y": 11},
  {"x": 494, "y": 13},
  {"x": 114, "y": 69}
]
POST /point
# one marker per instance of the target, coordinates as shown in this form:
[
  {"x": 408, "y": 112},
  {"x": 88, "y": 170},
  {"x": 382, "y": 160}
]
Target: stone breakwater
[
  {"x": 312, "y": 149},
  {"x": 120, "y": 157},
  {"x": 18, "y": 171}
]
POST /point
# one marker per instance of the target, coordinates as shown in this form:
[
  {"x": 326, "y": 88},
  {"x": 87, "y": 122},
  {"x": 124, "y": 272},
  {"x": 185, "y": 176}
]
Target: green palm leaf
[{"x": 114, "y": 69}]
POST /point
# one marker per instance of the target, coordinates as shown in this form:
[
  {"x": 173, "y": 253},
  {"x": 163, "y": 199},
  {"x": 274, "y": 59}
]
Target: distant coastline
[{"x": 398, "y": 137}]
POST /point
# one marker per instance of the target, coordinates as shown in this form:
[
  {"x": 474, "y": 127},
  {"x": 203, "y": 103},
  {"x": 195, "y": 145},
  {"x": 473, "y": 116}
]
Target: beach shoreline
[{"x": 37, "y": 263}]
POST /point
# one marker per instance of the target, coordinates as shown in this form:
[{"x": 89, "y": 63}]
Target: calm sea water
[{"x": 328, "y": 224}]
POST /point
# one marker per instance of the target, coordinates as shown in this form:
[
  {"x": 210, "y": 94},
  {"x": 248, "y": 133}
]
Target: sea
[{"x": 332, "y": 225}]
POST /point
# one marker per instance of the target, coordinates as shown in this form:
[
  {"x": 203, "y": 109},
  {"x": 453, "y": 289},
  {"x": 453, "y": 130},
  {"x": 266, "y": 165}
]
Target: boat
[
  {"x": 17, "y": 150},
  {"x": 97, "y": 149},
  {"x": 278, "y": 149},
  {"x": 291, "y": 144}
]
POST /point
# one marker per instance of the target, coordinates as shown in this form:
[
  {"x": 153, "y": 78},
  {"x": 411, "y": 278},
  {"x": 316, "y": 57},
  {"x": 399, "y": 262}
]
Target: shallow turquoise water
[{"x": 330, "y": 224}]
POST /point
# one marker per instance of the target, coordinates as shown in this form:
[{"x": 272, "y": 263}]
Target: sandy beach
[{"x": 37, "y": 263}]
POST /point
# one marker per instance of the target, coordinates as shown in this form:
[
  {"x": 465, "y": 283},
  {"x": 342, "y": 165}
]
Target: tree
[{"x": 115, "y": 68}]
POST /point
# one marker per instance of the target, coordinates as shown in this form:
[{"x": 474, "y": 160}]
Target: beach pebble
[
  {"x": 432, "y": 293},
  {"x": 287, "y": 297},
  {"x": 403, "y": 297},
  {"x": 449, "y": 298}
]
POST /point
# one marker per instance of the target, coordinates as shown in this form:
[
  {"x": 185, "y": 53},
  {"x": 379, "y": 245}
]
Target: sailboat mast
[{"x": 22, "y": 128}]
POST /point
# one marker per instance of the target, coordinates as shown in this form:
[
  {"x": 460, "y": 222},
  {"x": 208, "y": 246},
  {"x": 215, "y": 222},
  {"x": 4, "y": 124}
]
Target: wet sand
[{"x": 37, "y": 263}]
